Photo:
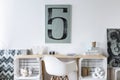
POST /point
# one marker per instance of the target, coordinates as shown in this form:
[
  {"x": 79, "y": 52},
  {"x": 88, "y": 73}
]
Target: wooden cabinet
[
  {"x": 93, "y": 68},
  {"x": 27, "y": 69}
]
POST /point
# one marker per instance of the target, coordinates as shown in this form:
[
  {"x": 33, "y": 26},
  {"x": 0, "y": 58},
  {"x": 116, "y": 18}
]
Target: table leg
[
  {"x": 43, "y": 70},
  {"x": 77, "y": 68}
]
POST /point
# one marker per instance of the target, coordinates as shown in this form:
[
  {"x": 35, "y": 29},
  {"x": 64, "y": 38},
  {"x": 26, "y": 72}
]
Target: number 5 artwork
[{"x": 58, "y": 23}]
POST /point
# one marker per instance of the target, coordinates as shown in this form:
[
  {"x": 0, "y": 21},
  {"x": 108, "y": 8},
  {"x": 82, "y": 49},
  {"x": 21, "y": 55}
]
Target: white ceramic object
[
  {"x": 98, "y": 73},
  {"x": 30, "y": 71},
  {"x": 23, "y": 72},
  {"x": 24, "y": 52},
  {"x": 36, "y": 49}
]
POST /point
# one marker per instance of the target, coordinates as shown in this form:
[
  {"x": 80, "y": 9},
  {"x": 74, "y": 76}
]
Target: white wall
[{"x": 23, "y": 22}]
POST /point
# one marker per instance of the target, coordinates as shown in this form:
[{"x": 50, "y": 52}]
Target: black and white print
[
  {"x": 6, "y": 63},
  {"x": 113, "y": 47}
]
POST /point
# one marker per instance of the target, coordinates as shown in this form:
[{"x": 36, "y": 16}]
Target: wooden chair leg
[
  {"x": 66, "y": 78},
  {"x": 61, "y": 78},
  {"x": 58, "y": 78},
  {"x": 52, "y": 78}
]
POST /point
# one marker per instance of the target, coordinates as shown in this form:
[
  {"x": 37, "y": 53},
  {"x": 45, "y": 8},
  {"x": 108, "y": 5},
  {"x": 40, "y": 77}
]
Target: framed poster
[
  {"x": 58, "y": 23},
  {"x": 113, "y": 47}
]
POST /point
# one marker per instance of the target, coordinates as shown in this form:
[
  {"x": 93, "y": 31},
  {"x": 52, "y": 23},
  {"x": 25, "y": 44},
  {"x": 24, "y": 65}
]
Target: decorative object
[
  {"x": 24, "y": 52},
  {"x": 52, "y": 53},
  {"x": 39, "y": 50},
  {"x": 98, "y": 73},
  {"x": 113, "y": 47},
  {"x": 57, "y": 23},
  {"x": 30, "y": 71},
  {"x": 24, "y": 72},
  {"x": 36, "y": 49},
  {"x": 94, "y": 50}
]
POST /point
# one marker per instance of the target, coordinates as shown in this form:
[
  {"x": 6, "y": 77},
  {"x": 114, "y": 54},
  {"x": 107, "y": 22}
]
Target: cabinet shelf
[
  {"x": 27, "y": 63},
  {"x": 91, "y": 78},
  {"x": 28, "y": 77},
  {"x": 88, "y": 66}
]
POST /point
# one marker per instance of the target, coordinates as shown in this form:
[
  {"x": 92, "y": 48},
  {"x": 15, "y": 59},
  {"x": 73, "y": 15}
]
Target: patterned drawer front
[{"x": 6, "y": 63}]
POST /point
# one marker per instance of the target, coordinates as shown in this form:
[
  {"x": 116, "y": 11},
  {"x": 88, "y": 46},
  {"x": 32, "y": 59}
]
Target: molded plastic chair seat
[{"x": 57, "y": 67}]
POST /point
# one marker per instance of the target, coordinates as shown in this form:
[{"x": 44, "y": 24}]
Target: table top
[{"x": 62, "y": 56}]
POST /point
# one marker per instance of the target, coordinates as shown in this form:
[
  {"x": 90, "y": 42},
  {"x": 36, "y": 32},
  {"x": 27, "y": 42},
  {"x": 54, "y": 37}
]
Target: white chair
[{"x": 58, "y": 69}]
